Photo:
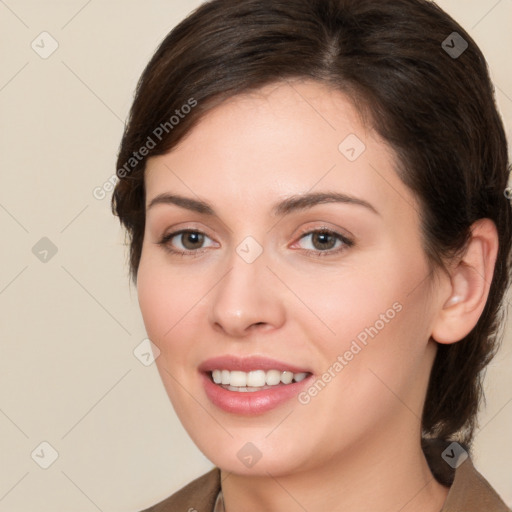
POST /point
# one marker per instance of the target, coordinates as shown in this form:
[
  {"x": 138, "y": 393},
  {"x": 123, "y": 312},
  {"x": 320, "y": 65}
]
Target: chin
[{"x": 254, "y": 455}]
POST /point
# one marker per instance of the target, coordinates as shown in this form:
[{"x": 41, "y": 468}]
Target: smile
[
  {"x": 255, "y": 380},
  {"x": 252, "y": 385}
]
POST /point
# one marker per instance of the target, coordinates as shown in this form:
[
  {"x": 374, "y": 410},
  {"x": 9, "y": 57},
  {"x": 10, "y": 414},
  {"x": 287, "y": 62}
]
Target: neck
[{"x": 379, "y": 475}]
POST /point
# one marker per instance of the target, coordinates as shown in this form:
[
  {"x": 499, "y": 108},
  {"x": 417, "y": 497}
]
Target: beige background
[{"x": 68, "y": 374}]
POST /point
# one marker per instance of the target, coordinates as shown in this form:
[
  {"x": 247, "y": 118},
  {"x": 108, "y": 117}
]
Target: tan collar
[{"x": 469, "y": 491}]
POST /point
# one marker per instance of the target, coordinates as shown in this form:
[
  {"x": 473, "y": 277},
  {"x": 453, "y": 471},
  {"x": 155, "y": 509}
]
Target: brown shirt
[{"x": 469, "y": 492}]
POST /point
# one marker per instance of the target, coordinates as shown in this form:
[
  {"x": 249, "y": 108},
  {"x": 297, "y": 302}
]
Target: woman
[{"x": 315, "y": 195}]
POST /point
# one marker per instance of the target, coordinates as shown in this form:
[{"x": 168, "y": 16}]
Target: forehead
[{"x": 286, "y": 138}]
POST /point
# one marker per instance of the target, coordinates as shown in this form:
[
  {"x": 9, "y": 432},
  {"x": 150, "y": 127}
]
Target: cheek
[
  {"x": 345, "y": 302},
  {"x": 172, "y": 303},
  {"x": 150, "y": 295},
  {"x": 376, "y": 310},
  {"x": 164, "y": 304},
  {"x": 384, "y": 349},
  {"x": 161, "y": 300}
]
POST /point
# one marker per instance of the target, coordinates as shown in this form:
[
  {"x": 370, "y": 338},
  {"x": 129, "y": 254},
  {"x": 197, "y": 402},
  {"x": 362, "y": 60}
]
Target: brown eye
[
  {"x": 191, "y": 240},
  {"x": 323, "y": 240},
  {"x": 186, "y": 241}
]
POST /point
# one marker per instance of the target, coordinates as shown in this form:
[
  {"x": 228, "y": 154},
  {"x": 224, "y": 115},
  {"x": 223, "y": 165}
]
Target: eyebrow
[{"x": 294, "y": 203}]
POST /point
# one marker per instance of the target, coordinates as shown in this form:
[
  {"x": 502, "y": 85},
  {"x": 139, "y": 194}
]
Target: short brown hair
[{"x": 435, "y": 107}]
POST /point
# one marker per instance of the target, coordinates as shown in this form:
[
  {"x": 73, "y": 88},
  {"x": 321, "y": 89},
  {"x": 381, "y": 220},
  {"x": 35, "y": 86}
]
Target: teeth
[
  {"x": 238, "y": 379},
  {"x": 255, "y": 378},
  {"x": 286, "y": 377},
  {"x": 273, "y": 377},
  {"x": 217, "y": 376}
]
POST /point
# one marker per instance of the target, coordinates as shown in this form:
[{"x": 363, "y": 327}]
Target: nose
[{"x": 247, "y": 298}]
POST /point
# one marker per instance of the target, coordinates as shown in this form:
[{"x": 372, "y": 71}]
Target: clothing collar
[
  {"x": 219, "y": 503},
  {"x": 469, "y": 491}
]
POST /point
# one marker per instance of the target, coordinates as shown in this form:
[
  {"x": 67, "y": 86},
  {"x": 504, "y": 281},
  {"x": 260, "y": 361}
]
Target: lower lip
[{"x": 251, "y": 402}]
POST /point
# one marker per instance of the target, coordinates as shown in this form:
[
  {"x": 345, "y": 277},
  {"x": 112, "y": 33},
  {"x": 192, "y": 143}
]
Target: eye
[
  {"x": 324, "y": 241},
  {"x": 185, "y": 241}
]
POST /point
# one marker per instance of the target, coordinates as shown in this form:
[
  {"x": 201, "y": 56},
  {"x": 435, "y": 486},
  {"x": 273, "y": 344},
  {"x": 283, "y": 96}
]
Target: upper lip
[{"x": 247, "y": 364}]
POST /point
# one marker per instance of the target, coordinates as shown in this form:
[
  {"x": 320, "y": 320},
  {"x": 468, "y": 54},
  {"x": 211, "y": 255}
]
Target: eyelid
[
  {"x": 166, "y": 238},
  {"x": 346, "y": 237},
  {"x": 347, "y": 241},
  {"x": 187, "y": 227}
]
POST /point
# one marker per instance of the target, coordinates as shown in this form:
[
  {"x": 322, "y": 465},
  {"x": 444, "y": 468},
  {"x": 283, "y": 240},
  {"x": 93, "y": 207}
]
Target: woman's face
[{"x": 302, "y": 255}]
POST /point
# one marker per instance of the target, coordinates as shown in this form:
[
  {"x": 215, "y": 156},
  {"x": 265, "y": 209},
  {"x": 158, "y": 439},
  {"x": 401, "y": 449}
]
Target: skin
[{"x": 356, "y": 444}]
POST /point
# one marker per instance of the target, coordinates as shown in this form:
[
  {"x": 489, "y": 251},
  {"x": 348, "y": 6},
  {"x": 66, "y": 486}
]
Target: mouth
[
  {"x": 255, "y": 380},
  {"x": 251, "y": 385}
]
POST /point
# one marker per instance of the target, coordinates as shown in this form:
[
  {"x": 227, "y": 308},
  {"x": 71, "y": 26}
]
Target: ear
[{"x": 470, "y": 281}]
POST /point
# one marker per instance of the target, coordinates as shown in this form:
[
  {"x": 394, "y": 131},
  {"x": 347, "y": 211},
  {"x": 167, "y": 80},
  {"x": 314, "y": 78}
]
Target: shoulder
[
  {"x": 197, "y": 496},
  {"x": 453, "y": 467},
  {"x": 471, "y": 491}
]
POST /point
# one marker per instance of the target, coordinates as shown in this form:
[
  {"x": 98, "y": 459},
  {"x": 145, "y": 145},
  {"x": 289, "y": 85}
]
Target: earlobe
[{"x": 470, "y": 282}]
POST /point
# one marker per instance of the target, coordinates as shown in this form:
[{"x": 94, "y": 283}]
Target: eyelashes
[
  {"x": 325, "y": 237},
  {"x": 322, "y": 242},
  {"x": 193, "y": 237}
]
